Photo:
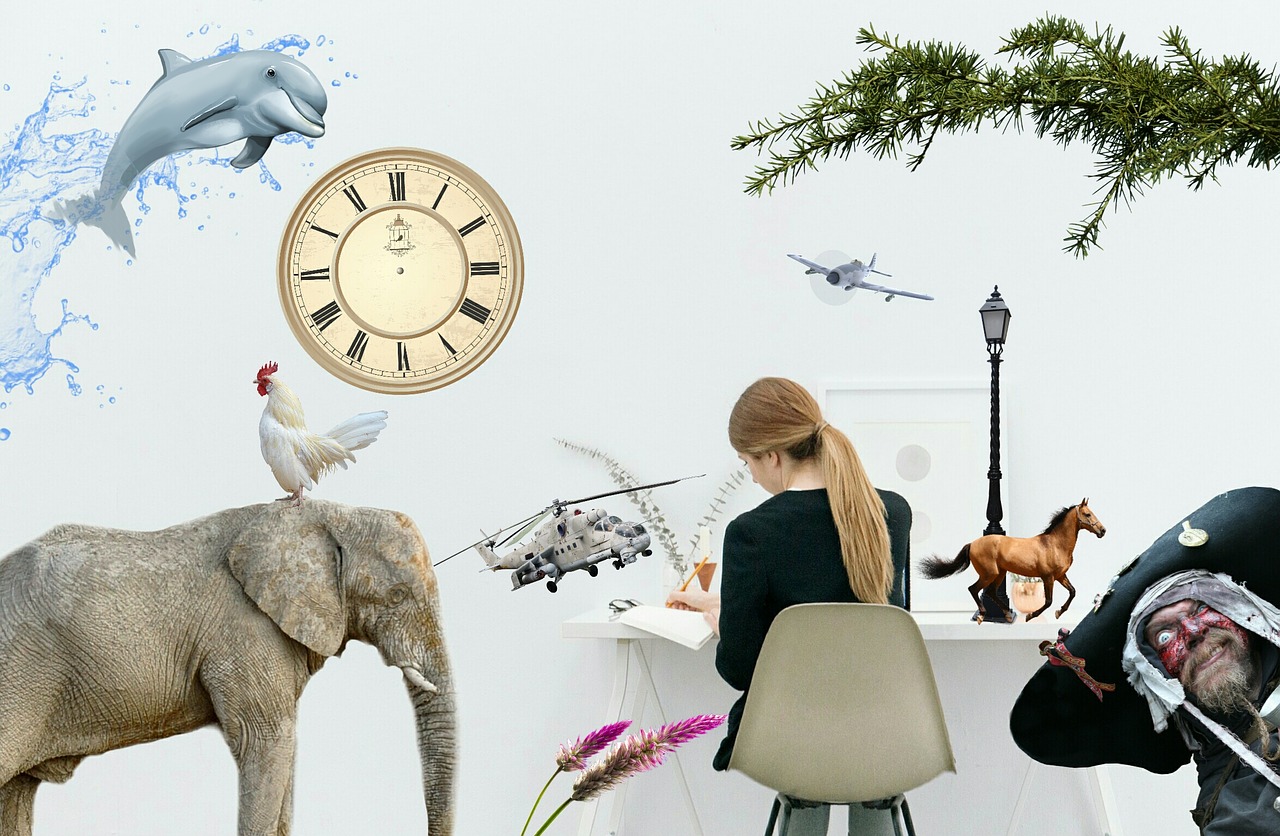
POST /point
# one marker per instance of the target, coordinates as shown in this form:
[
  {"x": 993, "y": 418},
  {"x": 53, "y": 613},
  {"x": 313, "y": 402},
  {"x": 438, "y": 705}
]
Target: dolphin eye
[{"x": 271, "y": 72}]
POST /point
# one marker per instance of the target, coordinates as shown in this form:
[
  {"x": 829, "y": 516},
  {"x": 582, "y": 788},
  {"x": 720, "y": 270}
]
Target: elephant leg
[
  {"x": 264, "y": 753},
  {"x": 17, "y": 803},
  {"x": 286, "y": 808}
]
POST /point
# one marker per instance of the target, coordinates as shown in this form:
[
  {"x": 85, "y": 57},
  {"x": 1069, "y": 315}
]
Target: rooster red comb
[{"x": 268, "y": 369}]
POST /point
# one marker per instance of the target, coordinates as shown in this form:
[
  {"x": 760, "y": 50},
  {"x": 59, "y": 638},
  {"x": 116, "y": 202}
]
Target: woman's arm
[{"x": 744, "y": 595}]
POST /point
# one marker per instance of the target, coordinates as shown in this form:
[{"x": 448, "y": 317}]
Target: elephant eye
[{"x": 397, "y": 594}]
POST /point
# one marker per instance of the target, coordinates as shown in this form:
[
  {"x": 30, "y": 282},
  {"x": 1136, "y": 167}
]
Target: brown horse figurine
[{"x": 1046, "y": 556}]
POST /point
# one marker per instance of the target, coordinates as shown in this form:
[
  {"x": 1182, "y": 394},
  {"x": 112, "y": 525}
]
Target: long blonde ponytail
[{"x": 776, "y": 414}]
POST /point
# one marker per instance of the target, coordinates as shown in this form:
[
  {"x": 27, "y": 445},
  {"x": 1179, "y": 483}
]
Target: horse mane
[{"x": 1058, "y": 517}]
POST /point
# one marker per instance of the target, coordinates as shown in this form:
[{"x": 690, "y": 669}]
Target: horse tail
[{"x": 934, "y": 567}]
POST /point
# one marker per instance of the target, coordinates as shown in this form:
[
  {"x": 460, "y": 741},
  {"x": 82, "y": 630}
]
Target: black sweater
[{"x": 784, "y": 552}]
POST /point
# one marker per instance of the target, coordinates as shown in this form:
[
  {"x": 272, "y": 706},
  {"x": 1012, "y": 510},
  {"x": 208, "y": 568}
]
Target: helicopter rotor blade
[
  {"x": 630, "y": 490},
  {"x": 488, "y": 538},
  {"x": 532, "y": 524}
]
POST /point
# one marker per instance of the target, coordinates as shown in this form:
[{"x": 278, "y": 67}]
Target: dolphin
[{"x": 253, "y": 95}]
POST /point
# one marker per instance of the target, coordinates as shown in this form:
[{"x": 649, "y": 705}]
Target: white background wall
[{"x": 655, "y": 291}]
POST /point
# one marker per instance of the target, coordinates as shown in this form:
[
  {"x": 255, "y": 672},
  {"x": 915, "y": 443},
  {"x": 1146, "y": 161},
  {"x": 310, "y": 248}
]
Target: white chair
[{"x": 843, "y": 709}]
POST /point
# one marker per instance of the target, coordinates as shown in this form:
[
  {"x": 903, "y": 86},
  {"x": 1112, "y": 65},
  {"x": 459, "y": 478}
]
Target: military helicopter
[{"x": 567, "y": 542}]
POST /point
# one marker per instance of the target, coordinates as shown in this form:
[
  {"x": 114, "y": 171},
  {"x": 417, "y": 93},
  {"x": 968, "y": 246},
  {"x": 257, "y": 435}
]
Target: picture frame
[{"x": 929, "y": 442}]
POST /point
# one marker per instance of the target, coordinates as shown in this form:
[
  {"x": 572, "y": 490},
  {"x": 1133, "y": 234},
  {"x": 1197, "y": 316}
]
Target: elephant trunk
[{"x": 434, "y": 715}]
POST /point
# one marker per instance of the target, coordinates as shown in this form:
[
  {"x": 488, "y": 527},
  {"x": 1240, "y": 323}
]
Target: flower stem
[
  {"x": 548, "y": 822},
  {"x": 538, "y": 801}
]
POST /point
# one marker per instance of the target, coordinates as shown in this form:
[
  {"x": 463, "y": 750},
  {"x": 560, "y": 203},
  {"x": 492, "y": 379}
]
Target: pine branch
[{"x": 1145, "y": 119}]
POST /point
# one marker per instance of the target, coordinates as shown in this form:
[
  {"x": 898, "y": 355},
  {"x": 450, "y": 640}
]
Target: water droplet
[
  {"x": 320, "y": 40},
  {"x": 7, "y": 88},
  {"x": 111, "y": 399},
  {"x": 204, "y": 30},
  {"x": 4, "y": 433}
]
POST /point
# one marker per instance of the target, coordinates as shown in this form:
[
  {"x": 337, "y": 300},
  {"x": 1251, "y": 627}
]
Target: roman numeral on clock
[
  {"x": 452, "y": 351},
  {"x": 473, "y": 226},
  {"x": 484, "y": 268},
  {"x": 396, "y": 180},
  {"x": 402, "y": 358},
  {"x": 475, "y": 310},
  {"x": 354, "y": 197},
  {"x": 356, "y": 351},
  {"x": 319, "y": 274},
  {"x": 324, "y": 317}
]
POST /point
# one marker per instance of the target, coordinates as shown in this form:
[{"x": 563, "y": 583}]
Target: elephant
[{"x": 110, "y": 638}]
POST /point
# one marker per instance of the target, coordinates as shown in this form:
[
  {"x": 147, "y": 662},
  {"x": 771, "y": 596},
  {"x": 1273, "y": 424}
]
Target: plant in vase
[
  {"x": 638, "y": 753},
  {"x": 1027, "y": 593},
  {"x": 653, "y": 516}
]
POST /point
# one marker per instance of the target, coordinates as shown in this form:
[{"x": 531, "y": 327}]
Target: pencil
[{"x": 696, "y": 570}]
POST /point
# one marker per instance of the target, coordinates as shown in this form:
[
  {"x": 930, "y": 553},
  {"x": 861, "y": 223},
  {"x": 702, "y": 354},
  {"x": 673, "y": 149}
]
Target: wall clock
[{"x": 400, "y": 270}]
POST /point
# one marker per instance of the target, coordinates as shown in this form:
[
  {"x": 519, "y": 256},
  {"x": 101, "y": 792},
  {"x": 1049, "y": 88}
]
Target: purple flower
[
  {"x": 573, "y": 757},
  {"x": 638, "y": 753}
]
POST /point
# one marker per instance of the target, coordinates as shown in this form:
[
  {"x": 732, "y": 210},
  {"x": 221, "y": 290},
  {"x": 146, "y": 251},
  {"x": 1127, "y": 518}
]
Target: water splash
[{"x": 50, "y": 157}]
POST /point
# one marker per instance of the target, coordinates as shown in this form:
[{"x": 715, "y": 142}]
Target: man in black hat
[{"x": 1196, "y": 647}]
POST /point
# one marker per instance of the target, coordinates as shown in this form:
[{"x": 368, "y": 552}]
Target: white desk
[{"x": 631, "y": 690}]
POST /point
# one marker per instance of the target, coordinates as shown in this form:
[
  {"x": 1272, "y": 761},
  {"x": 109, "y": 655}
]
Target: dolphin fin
[
  {"x": 254, "y": 148},
  {"x": 171, "y": 59},
  {"x": 210, "y": 111}
]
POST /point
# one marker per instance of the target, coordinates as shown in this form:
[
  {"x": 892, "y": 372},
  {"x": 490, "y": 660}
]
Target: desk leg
[
  {"x": 1022, "y": 799},
  {"x": 1104, "y": 801},
  {"x": 675, "y": 756},
  {"x": 1098, "y": 786},
  {"x": 621, "y": 706}
]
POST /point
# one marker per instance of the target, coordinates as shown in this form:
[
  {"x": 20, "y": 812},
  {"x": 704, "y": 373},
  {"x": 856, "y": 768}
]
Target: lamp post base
[{"x": 996, "y": 602}]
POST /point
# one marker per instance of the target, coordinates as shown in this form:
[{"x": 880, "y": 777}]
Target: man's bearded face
[{"x": 1208, "y": 652}]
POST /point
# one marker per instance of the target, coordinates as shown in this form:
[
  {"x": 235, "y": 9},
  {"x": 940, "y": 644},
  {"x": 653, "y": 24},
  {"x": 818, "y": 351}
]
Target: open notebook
[{"x": 687, "y": 628}]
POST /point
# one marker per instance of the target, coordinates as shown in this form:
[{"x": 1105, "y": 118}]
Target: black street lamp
[{"x": 995, "y": 325}]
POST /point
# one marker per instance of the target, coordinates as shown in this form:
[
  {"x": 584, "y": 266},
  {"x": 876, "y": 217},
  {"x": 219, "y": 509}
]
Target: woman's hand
[
  {"x": 707, "y": 603},
  {"x": 694, "y": 600}
]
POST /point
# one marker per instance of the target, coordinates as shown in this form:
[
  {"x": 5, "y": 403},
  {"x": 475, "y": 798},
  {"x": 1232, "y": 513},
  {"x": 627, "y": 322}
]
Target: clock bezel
[{"x": 496, "y": 209}]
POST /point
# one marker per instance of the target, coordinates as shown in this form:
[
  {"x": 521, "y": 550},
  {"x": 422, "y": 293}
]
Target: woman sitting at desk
[{"x": 825, "y": 534}]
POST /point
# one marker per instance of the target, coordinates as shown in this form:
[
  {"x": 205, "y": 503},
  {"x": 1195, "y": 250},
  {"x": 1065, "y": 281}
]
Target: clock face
[{"x": 400, "y": 270}]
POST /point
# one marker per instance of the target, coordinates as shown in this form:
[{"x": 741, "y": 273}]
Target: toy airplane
[
  {"x": 567, "y": 542},
  {"x": 853, "y": 276}
]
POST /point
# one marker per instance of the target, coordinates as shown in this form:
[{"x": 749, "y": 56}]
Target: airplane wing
[
  {"x": 813, "y": 268},
  {"x": 881, "y": 289}
]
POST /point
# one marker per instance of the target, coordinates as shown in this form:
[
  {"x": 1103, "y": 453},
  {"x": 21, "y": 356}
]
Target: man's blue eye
[{"x": 1163, "y": 637}]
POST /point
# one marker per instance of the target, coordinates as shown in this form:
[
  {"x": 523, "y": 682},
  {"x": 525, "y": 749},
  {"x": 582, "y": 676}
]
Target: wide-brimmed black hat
[{"x": 1058, "y": 720}]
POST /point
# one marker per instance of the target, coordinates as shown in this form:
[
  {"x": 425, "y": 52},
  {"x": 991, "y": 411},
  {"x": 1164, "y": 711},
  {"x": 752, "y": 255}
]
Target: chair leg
[
  {"x": 906, "y": 815},
  {"x": 773, "y": 816},
  {"x": 802, "y": 818}
]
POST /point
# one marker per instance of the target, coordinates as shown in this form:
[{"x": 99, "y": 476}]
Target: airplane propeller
[{"x": 824, "y": 290}]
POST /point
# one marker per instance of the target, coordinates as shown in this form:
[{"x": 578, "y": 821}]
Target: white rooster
[{"x": 296, "y": 456}]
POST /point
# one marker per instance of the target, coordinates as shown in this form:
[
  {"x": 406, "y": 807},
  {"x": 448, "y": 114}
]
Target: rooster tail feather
[{"x": 360, "y": 431}]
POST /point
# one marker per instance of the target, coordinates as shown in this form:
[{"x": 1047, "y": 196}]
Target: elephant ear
[{"x": 287, "y": 561}]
